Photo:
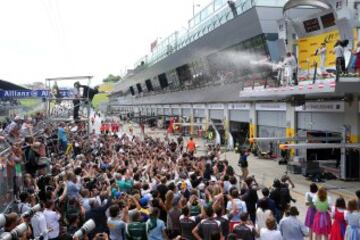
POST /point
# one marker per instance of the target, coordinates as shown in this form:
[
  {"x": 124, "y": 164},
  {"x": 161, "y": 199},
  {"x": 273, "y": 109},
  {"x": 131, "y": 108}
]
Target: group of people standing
[
  {"x": 340, "y": 221},
  {"x": 109, "y": 127}
]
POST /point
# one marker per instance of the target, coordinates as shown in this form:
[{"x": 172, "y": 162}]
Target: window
[
  {"x": 328, "y": 20},
  {"x": 311, "y": 25}
]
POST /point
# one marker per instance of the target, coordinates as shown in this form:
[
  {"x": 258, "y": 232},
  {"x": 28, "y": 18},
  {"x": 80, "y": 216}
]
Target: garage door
[
  {"x": 272, "y": 118},
  {"x": 239, "y": 116}
]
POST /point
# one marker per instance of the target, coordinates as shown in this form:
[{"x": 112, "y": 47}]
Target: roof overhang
[{"x": 321, "y": 4}]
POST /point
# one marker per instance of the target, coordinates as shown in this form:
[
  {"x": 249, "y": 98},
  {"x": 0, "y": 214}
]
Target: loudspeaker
[
  {"x": 163, "y": 81},
  {"x": 149, "y": 85},
  {"x": 139, "y": 88},
  {"x": 132, "y": 90}
]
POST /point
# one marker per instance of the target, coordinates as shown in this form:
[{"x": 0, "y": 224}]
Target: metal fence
[
  {"x": 7, "y": 186},
  {"x": 11, "y": 176}
]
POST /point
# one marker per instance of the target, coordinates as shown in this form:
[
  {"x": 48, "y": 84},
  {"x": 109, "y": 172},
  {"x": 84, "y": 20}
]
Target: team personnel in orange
[{"x": 190, "y": 146}]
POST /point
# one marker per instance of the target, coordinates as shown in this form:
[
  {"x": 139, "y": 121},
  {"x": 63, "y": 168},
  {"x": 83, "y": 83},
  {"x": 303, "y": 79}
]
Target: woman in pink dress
[
  {"x": 322, "y": 220},
  {"x": 339, "y": 225}
]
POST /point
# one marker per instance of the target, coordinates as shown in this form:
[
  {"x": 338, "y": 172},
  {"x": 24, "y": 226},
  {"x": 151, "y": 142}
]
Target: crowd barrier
[{"x": 10, "y": 176}]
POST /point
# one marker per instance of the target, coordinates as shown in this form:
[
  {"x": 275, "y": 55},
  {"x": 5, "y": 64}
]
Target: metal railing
[
  {"x": 11, "y": 176},
  {"x": 208, "y": 21}
]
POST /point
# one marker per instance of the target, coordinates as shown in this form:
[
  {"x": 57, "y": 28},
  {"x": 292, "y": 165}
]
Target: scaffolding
[{"x": 60, "y": 108}]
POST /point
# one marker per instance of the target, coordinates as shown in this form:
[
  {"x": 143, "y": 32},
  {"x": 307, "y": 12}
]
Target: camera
[
  {"x": 17, "y": 232},
  {"x": 31, "y": 211},
  {"x": 2, "y": 220},
  {"x": 85, "y": 229}
]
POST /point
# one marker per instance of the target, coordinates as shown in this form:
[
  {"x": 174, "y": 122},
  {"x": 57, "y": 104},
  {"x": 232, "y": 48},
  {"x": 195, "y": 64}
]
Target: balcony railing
[{"x": 211, "y": 17}]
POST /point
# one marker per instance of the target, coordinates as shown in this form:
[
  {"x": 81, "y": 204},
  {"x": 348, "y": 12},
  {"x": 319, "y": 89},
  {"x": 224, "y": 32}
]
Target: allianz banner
[{"x": 31, "y": 93}]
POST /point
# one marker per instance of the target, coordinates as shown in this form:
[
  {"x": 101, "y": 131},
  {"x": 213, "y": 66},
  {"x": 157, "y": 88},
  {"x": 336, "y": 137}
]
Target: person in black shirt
[
  {"x": 187, "y": 224},
  {"x": 245, "y": 230},
  {"x": 162, "y": 188},
  {"x": 269, "y": 202},
  {"x": 98, "y": 214},
  {"x": 224, "y": 221},
  {"x": 249, "y": 195},
  {"x": 208, "y": 227}
]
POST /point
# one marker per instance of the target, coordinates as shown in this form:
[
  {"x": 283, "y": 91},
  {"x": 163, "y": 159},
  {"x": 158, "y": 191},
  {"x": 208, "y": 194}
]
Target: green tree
[{"x": 112, "y": 78}]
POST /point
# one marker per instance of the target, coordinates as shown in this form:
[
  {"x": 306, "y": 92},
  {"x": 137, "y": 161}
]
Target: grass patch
[{"x": 30, "y": 102}]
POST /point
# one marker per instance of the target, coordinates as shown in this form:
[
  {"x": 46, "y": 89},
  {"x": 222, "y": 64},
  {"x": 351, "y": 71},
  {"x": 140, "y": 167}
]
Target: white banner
[
  {"x": 199, "y": 106},
  {"x": 239, "y": 106},
  {"x": 271, "y": 106},
  {"x": 216, "y": 106},
  {"x": 337, "y": 106}
]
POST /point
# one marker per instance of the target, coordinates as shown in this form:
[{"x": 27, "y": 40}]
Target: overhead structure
[
  {"x": 319, "y": 146},
  {"x": 61, "y": 103},
  {"x": 294, "y": 139},
  {"x": 321, "y": 4}
]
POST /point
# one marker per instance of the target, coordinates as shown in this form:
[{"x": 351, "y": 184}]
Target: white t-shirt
[
  {"x": 261, "y": 217},
  {"x": 39, "y": 225},
  {"x": 309, "y": 196},
  {"x": 52, "y": 219},
  {"x": 266, "y": 234},
  {"x": 339, "y": 51}
]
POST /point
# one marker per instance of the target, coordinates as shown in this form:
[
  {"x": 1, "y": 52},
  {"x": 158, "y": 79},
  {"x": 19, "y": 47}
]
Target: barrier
[{"x": 11, "y": 175}]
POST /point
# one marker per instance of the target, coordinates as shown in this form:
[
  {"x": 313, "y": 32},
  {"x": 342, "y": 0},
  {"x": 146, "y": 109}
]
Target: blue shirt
[
  {"x": 116, "y": 228},
  {"x": 73, "y": 189},
  {"x": 62, "y": 134},
  {"x": 292, "y": 229},
  {"x": 240, "y": 206},
  {"x": 157, "y": 232}
]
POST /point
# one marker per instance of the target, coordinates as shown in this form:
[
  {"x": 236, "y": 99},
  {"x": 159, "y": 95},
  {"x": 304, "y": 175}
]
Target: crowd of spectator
[{"x": 143, "y": 187}]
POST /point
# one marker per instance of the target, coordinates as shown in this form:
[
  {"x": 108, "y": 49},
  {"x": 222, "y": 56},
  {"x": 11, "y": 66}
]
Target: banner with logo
[
  {"x": 309, "y": 45},
  {"x": 31, "y": 93}
]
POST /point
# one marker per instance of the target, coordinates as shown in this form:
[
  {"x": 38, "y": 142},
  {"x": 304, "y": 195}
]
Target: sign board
[
  {"x": 309, "y": 45},
  {"x": 216, "y": 106},
  {"x": 239, "y": 106},
  {"x": 199, "y": 106},
  {"x": 322, "y": 107},
  {"x": 271, "y": 106},
  {"x": 31, "y": 93},
  {"x": 186, "y": 106}
]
